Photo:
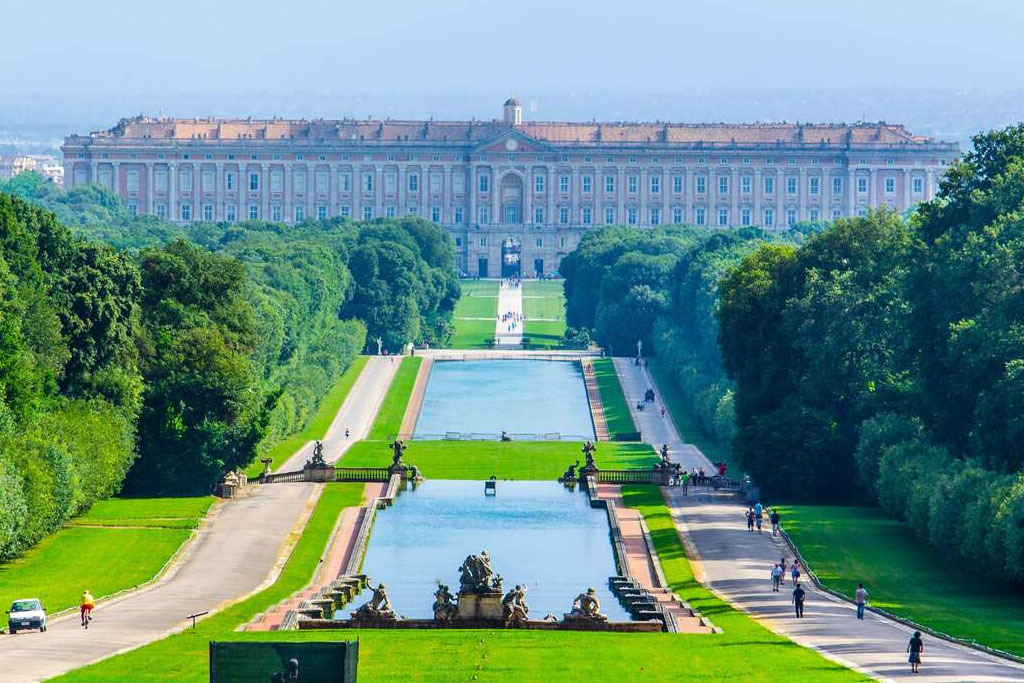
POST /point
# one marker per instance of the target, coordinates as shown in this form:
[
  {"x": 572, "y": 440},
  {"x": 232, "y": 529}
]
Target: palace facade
[{"x": 514, "y": 194}]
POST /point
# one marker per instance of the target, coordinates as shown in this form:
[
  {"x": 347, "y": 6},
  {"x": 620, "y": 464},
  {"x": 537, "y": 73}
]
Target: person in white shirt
[{"x": 861, "y": 596}]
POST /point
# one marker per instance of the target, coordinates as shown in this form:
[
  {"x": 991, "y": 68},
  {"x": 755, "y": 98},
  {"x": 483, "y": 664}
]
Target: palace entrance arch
[
  {"x": 511, "y": 257},
  {"x": 512, "y": 199}
]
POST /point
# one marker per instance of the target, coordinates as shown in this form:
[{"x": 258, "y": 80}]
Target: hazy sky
[{"x": 436, "y": 46}]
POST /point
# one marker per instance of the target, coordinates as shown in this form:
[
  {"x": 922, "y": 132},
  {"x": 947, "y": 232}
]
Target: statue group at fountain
[{"x": 589, "y": 468}]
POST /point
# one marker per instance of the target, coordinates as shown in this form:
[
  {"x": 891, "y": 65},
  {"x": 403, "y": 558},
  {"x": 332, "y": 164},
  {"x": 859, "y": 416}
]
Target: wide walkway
[
  {"x": 655, "y": 429},
  {"x": 510, "y": 303},
  {"x": 736, "y": 564},
  {"x": 356, "y": 414},
  {"x": 237, "y": 552}
]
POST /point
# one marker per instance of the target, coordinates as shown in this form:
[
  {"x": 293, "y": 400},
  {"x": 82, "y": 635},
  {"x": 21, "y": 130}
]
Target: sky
[{"x": 413, "y": 47}]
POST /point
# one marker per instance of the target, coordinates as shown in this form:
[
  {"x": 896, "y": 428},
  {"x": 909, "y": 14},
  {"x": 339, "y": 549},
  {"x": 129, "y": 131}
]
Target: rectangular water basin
[
  {"x": 488, "y": 397},
  {"x": 538, "y": 534}
]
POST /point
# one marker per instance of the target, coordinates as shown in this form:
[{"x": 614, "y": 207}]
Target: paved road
[
  {"x": 736, "y": 563},
  {"x": 510, "y": 300},
  {"x": 356, "y": 414},
  {"x": 237, "y": 552},
  {"x": 655, "y": 429}
]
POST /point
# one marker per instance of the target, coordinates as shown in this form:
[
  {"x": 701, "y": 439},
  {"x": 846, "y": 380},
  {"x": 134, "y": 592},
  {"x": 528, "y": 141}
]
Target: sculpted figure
[
  {"x": 513, "y": 606},
  {"x": 476, "y": 573},
  {"x": 665, "y": 462},
  {"x": 588, "y": 452},
  {"x": 378, "y": 607},
  {"x": 445, "y": 608},
  {"x": 397, "y": 449},
  {"x": 570, "y": 472},
  {"x": 318, "y": 456},
  {"x": 586, "y": 606}
]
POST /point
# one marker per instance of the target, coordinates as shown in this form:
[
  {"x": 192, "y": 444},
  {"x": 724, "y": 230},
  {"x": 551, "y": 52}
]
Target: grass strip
[
  {"x": 184, "y": 656},
  {"x": 478, "y": 460},
  {"x": 479, "y": 300},
  {"x": 616, "y": 410},
  {"x": 544, "y": 299},
  {"x": 318, "y": 424},
  {"x": 392, "y": 409},
  {"x": 847, "y": 545}
]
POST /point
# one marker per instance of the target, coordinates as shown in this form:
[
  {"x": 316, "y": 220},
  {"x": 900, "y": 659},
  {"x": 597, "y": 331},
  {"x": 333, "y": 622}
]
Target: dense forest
[
  {"x": 885, "y": 357},
  {"x": 138, "y": 355}
]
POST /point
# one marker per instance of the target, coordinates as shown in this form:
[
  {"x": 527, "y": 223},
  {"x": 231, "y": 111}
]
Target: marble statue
[
  {"x": 476, "y": 575},
  {"x": 586, "y": 606},
  {"x": 397, "y": 449},
  {"x": 570, "y": 472},
  {"x": 445, "y": 607},
  {"x": 513, "y": 606},
  {"x": 318, "y": 456},
  {"x": 588, "y": 452},
  {"x": 665, "y": 461},
  {"x": 378, "y": 606}
]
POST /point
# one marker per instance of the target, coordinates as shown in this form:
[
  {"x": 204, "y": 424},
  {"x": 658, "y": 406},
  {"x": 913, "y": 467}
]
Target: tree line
[{"x": 139, "y": 355}]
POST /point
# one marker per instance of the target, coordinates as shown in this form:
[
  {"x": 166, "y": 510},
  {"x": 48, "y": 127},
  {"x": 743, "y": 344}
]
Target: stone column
[
  {"x": 872, "y": 189},
  {"x": 780, "y": 199},
  {"x": 757, "y": 189},
  {"x": 528, "y": 196},
  {"x": 94, "y": 172},
  {"x": 803, "y": 198},
  {"x": 712, "y": 198},
  {"x": 643, "y": 191},
  {"x": 851, "y": 192},
  {"x": 378, "y": 190},
  {"x": 447, "y": 211},
  {"x": 620, "y": 194},
  {"x": 218, "y": 191},
  {"x": 906, "y": 189},
  {"x": 471, "y": 187},
  {"x": 929, "y": 184},
  {"x": 496, "y": 217},
  {"x": 688, "y": 192},
  {"x": 265, "y": 192},
  {"x": 115, "y": 178},
  {"x": 150, "y": 180},
  {"x": 575, "y": 193},
  {"x": 286, "y": 203},
  {"x": 734, "y": 192},
  {"x": 549, "y": 218},
  {"x": 172, "y": 193}
]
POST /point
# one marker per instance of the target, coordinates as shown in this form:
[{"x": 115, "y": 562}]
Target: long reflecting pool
[
  {"x": 537, "y": 533},
  {"x": 516, "y": 396}
]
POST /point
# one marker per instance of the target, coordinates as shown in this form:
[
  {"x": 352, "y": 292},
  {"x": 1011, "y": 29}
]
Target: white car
[{"x": 26, "y": 614}]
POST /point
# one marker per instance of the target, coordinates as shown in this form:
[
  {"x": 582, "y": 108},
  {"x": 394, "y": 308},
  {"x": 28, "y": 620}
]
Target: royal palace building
[{"x": 509, "y": 191}]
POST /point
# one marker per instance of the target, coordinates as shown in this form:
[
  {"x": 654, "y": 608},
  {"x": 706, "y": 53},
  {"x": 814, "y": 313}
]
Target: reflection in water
[
  {"x": 537, "y": 533},
  {"x": 515, "y": 396}
]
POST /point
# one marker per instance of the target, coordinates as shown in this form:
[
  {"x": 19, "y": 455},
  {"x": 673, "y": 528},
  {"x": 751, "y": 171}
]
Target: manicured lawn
[
  {"x": 392, "y": 410},
  {"x": 847, "y": 545},
  {"x": 686, "y": 423},
  {"x": 544, "y": 308},
  {"x": 616, "y": 410},
  {"x": 185, "y": 656},
  {"x": 318, "y": 424},
  {"x": 531, "y": 460},
  {"x": 479, "y": 300},
  {"x": 132, "y": 540}
]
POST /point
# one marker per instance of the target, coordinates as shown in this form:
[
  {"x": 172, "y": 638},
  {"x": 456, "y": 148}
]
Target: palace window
[
  {"x": 814, "y": 215},
  {"x": 563, "y": 215},
  {"x": 791, "y": 185},
  {"x": 459, "y": 183},
  {"x": 769, "y": 185},
  {"x": 538, "y": 215},
  {"x": 459, "y": 215},
  {"x": 435, "y": 182},
  {"x": 390, "y": 183},
  {"x": 655, "y": 215},
  {"x": 208, "y": 212},
  {"x": 538, "y": 183},
  {"x": 483, "y": 214},
  {"x": 435, "y": 213},
  {"x": 702, "y": 184},
  {"x": 161, "y": 210},
  {"x": 254, "y": 212},
  {"x": 484, "y": 183},
  {"x": 609, "y": 184},
  {"x": 230, "y": 213},
  {"x": 862, "y": 185},
  {"x": 482, "y": 242},
  {"x": 539, "y": 242},
  {"x": 368, "y": 182},
  {"x": 561, "y": 242},
  {"x": 367, "y": 213},
  {"x": 254, "y": 182},
  {"x": 631, "y": 184},
  {"x": 276, "y": 181},
  {"x": 133, "y": 209},
  {"x": 389, "y": 211},
  {"x": 160, "y": 179},
  {"x": 609, "y": 215},
  {"x": 745, "y": 216},
  {"x": 790, "y": 217},
  {"x": 186, "y": 211},
  {"x": 723, "y": 184},
  {"x": 229, "y": 181},
  {"x": 723, "y": 217},
  {"x": 588, "y": 183},
  {"x": 746, "y": 183},
  {"x": 321, "y": 181},
  {"x": 631, "y": 215},
  {"x": 345, "y": 180},
  {"x": 918, "y": 186},
  {"x": 321, "y": 212},
  {"x": 587, "y": 215},
  {"x": 346, "y": 210},
  {"x": 300, "y": 213},
  {"x": 836, "y": 214},
  {"x": 769, "y": 218},
  {"x": 655, "y": 184},
  {"x": 837, "y": 185},
  {"x": 677, "y": 183},
  {"x": 563, "y": 183},
  {"x": 414, "y": 182},
  {"x": 412, "y": 210},
  {"x": 699, "y": 217},
  {"x": 815, "y": 185},
  {"x": 677, "y": 215},
  {"x": 890, "y": 185}
]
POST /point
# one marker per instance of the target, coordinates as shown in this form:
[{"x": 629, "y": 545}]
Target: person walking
[
  {"x": 757, "y": 521},
  {"x": 915, "y": 647},
  {"x": 861, "y": 597},
  {"x": 774, "y": 519},
  {"x": 86, "y": 606},
  {"x": 684, "y": 481},
  {"x": 776, "y": 577},
  {"x": 795, "y": 571},
  {"x": 782, "y": 566},
  {"x": 750, "y": 520},
  {"x": 798, "y": 601}
]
